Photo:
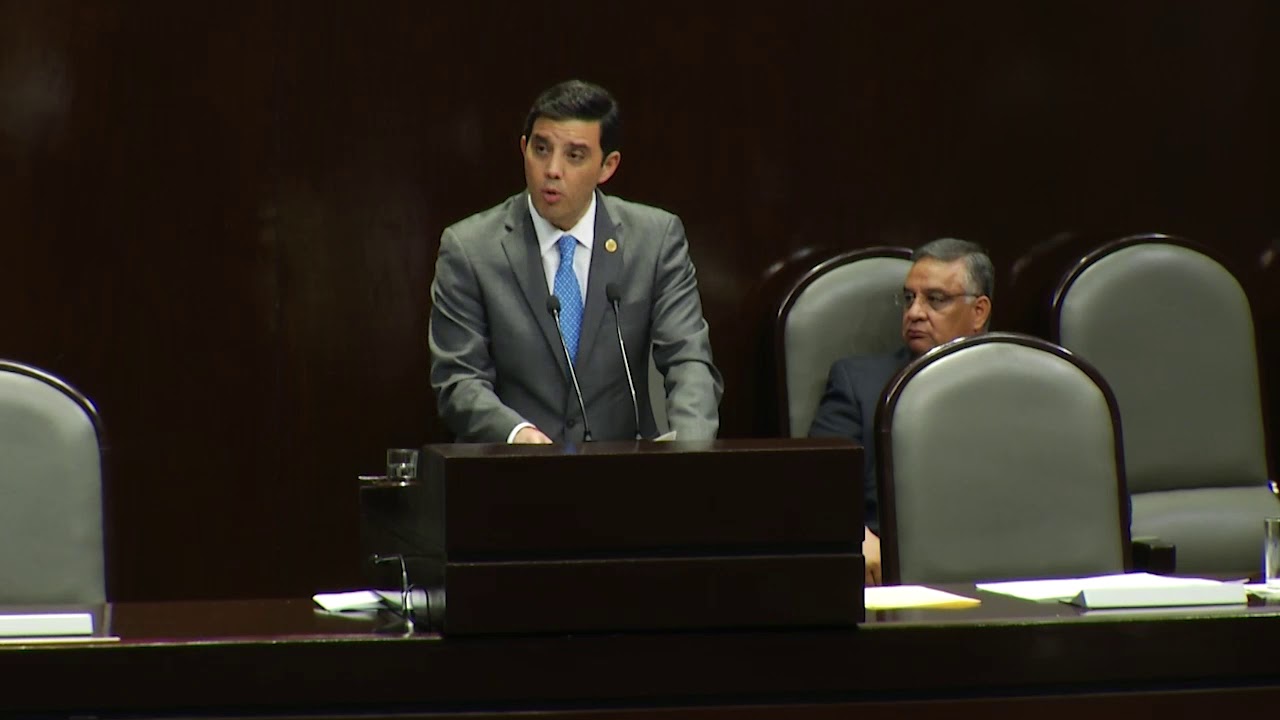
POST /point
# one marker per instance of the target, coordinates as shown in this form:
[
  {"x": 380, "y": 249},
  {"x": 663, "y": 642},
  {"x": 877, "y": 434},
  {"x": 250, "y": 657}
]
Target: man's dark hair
[
  {"x": 580, "y": 100},
  {"x": 982, "y": 274}
]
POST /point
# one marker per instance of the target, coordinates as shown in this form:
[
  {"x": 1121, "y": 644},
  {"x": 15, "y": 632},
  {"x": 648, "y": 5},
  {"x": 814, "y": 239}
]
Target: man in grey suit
[
  {"x": 553, "y": 273},
  {"x": 947, "y": 295}
]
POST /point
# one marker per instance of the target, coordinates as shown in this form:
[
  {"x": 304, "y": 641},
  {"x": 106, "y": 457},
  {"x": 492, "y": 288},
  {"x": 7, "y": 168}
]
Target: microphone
[
  {"x": 553, "y": 307},
  {"x": 615, "y": 300}
]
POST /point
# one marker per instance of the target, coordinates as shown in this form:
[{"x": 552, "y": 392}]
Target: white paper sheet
[
  {"x": 346, "y": 601},
  {"x": 1262, "y": 591},
  {"x": 1065, "y": 589},
  {"x": 896, "y": 597},
  {"x": 46, "y": 624},
  {"x": 60, "y": 640}
]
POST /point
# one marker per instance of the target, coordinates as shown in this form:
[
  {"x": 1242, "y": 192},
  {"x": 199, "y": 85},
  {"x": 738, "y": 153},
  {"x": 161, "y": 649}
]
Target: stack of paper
[
  {"x": 1125, "y": 590},
  {"x": 46, "y": 624},
  {"x": 1262, "y": 590},
  {"x": 355, "y": 600},
  {"x": 896, "y": 597},
  {"x": 44, "y": 628}
]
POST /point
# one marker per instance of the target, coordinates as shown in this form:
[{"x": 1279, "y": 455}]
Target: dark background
[{"x": 219, "y": 219}]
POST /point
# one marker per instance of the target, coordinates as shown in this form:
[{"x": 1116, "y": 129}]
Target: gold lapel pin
[{"x": 611, "y": 245}]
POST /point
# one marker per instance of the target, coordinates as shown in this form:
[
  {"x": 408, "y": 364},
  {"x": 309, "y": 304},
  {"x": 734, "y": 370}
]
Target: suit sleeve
[
  {"x": 462, "y": 370},
  {"x": 839, "y": 415},
  {"x": 682, "y": 342}
]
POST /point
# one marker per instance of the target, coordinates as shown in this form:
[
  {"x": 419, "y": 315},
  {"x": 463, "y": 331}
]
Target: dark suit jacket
[
  {"x": 496, "y": 357},
  {"x": 848, "y": 410}
]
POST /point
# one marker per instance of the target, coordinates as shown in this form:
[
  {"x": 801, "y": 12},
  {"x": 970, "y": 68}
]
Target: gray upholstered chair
[
  {"x": 50, "y": 491},
  {"x": 843, "y": 306},
  {"x": 1171, "y": 330},
  {"x": 999, "y": 458}
]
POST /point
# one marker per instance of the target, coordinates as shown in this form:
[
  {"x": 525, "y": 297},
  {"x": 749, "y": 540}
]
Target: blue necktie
[{"x": 567, "y": 290}]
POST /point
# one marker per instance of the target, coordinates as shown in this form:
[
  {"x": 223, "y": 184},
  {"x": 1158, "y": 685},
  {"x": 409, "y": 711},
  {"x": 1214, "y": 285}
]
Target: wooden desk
[{"x": 1007, "y": 658}]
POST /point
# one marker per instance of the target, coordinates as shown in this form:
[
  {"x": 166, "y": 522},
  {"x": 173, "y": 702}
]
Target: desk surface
[{"x": 285, "y": 656}]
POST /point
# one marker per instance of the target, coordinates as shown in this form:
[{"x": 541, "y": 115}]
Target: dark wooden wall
[{"x": 219, "y": 219}]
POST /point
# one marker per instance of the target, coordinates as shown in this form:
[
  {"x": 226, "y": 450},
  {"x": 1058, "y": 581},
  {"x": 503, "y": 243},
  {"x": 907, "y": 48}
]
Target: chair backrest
[
  {"x": 999, "y": 458},
  {"x": 51, "y": 517},
  {"x": 843, "y": 306},
  {"x": 1172, "y": 331}
]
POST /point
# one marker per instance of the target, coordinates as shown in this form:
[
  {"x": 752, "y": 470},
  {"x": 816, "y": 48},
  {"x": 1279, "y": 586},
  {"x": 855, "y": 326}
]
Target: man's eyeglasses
[{"x": 936, "y": 300}]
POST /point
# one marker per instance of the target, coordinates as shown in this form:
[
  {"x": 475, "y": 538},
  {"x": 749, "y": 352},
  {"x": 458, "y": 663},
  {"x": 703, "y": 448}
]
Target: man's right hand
[
  {"x": 530, "y": 436},
  {"x": 871, "y": 555}
]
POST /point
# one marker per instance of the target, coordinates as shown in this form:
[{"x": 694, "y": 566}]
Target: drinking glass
[
  {"x": 1271, "y": 553},
  {"x": 402, "y": 465}
]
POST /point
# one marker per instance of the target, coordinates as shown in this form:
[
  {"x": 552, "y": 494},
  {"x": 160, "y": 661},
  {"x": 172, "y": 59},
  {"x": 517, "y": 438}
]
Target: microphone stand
[
  {"x": 553, "y": 307},
  {"x": 611, "y": 291}
]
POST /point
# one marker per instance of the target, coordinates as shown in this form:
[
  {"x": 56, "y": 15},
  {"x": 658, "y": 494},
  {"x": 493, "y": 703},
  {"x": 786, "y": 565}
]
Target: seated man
[{"x": 947, "y": 295}]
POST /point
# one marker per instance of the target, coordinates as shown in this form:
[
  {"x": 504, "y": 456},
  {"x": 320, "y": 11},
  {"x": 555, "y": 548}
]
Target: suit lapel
[
  {"x": 606, "y": 267},
  {"x": 521, "y": 247}
]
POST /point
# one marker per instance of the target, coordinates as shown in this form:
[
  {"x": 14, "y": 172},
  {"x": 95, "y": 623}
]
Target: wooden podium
[{"x": 623, "y": 536}]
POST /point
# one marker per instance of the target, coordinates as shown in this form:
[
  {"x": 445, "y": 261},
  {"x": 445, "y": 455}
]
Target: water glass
[
  {"x": 402, "y": 465},
  {"x": 1271, "y": 553}
]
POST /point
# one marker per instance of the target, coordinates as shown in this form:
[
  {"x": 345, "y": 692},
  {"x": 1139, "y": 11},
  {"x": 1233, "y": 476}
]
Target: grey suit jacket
[
  {"x": 496, "y": 357},
  {"x": 848, "y": 410}
]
